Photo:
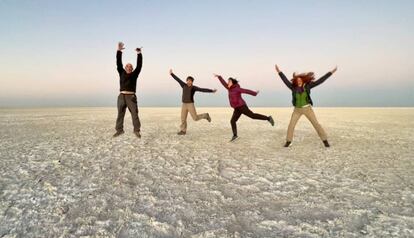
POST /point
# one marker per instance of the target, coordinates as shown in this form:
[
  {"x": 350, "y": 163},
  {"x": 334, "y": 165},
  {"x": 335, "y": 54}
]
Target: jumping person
[
  {"x": 127, "y": 98},
  {"x": 239, "y": 105},
  {"x": 188, "y": 102},
  {"x": 301, "y": 85}
]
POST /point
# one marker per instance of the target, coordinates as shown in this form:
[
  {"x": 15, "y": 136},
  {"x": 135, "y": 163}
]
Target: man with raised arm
[
  {"x": 188, "y": 101},
  {"x": 127, "y": 98}
]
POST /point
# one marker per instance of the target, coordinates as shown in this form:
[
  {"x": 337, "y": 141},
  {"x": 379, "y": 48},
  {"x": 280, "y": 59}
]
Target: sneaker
[
  {"x": 118, "y": 133},
  {"x": 181, "y": 133},
  {"x": 234, "y": 138},
  {"x": 287, "y": 144},
  {"x": 137, "y": 134},
  {"x": 208, "y": 117},
  {"x": 271, "y": 121},
  {"x": 326, "y": 143}
]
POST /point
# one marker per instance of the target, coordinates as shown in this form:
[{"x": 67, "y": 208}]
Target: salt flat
[{"x": 62, "y": 175}]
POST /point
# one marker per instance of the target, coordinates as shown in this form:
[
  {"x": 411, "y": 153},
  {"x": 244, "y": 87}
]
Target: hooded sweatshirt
[{"x": 235, "y": 92}]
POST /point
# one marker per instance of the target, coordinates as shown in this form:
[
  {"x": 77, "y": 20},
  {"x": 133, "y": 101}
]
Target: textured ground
[{"x": 62, "y": 175}]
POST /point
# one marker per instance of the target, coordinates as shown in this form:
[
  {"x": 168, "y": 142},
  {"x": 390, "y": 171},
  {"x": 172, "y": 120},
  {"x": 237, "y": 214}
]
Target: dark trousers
[
  {"x": 130, "y": 101},
  {"x": 238, "y": 111}
]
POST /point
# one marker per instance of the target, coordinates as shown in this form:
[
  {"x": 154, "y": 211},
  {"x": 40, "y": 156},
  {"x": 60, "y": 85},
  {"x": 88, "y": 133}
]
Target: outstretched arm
[
  {"x": 182, "y": 84},
  {"x": 248, "y": 91},
  {"x": 221, "y": 80},
  {"x": 323, "y": 78},
  {"x": 283, "y": 77},
  {"x": 139, "y": 61},
  {"x": 119, "y": 65},
  {"x": 205, "y": 90}
]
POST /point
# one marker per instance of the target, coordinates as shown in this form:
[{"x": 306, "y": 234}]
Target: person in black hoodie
[
  {"x": 188, "y": 102},
  {"x": 301, "y": 85},
  {"x": 127, "y": 98}
]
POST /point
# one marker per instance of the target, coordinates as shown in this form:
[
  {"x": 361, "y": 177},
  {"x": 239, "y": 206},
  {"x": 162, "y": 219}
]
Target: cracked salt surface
[{"x": 62, "y": 175}]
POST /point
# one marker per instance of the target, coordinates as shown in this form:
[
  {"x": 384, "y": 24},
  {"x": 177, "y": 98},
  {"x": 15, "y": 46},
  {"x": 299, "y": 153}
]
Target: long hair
[{"x": 306, "y": 78}]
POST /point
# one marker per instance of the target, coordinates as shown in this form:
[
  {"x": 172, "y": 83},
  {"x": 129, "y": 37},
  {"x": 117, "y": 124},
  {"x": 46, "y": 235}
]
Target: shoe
[
  {"x": 181, "y": 133},
  {"x": 234, "y": 138},
  {"x": 208, "y": 117},
  {"x": 326, "y": 143},
  {"x": 287, "y": 144},
  {"x": 137, "y": 134},
  {"x": 118, "y": 133},
  {"x": 272, "y": 122}
]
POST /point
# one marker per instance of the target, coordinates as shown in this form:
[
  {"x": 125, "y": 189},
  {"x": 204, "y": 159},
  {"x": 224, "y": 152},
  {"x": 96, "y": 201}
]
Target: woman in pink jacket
[{"x": 239, "y": 105}]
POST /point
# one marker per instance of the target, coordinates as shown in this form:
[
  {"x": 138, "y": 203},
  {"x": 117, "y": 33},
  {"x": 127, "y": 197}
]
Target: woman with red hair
[{"x": 301, "y": 85}]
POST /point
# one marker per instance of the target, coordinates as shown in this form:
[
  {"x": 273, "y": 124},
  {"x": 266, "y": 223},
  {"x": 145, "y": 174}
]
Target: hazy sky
[{"x": 62, "y": 53}]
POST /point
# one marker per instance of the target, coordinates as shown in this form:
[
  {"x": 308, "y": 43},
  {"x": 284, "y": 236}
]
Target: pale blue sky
[{"x": 62, "y": 53}]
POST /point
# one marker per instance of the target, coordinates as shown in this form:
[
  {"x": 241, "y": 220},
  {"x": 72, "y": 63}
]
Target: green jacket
[{"x": 307, "y": 86}]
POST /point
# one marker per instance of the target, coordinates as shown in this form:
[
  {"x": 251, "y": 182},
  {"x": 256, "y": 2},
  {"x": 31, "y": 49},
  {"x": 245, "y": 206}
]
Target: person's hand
[
  {"x": 334, "y": 70},
  {"x": 121, "y": 46},
  {"x": 214, "y": 90},
  {"x": 216, "y": 75},
  {"x": 277, "y": 68},
  {"x": 138, "y": 50},
  {"x": 171, "y": 72},
  {"x": 257, "y": 92}
]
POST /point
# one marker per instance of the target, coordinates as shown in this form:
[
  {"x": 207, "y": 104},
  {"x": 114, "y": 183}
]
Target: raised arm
[
  {"x": 221, "y": 80},
  {"x": 119, "y": 65},
  {"x": 322, "y": 79},
  {"x": 182, "y": 84},
  {"x": 248, "y": 91},
  {"x": 283, "y": 77},
  {"x": 139, "y": 62}
]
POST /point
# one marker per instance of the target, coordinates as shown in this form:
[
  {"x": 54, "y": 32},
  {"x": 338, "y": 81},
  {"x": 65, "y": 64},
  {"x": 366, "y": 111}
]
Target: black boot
[
  {"x": 326, "y": 143},
  {"x": 208, "y": 117},
  {"x": 287, "y": 144},
  {"x": 118, "y": 133},
  {"x": 271, "y": 121},
  {"x": 137, "y": 134},
  {"x": 235, "y": 137}
]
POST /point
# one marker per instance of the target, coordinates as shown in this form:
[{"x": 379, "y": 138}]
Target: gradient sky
[{"x": 62, "y": 53}]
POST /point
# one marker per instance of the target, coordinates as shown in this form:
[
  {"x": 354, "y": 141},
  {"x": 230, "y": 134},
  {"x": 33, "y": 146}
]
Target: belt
[
  {"x": 127, "y": 92},
  {"x": 305, "y": 106}
]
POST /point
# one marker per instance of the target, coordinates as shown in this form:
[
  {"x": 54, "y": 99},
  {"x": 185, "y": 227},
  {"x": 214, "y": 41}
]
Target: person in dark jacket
[
  {"x": 239, "y": 105},
  {"x": 188, "y": 102},
  {"x": 127, "y": 98},
  {"x": 301, "y": 86}
]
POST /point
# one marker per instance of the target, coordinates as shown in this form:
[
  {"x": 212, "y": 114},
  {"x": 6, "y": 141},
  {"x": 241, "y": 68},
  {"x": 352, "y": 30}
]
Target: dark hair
[
  {"x": 190, "y": 78},
  {"x": 306, "y": 78},
  {"x": 233, "y": 80}
]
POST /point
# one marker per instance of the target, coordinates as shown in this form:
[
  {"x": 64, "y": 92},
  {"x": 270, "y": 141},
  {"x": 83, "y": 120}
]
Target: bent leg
[
  {"x": 121, "y": 113},
  {"x": 246, "y": 111},
  {"x": 193, "y": 113},
  {"x": 132, "y": 103},
  {"x": 312, "y": 118},
  {"x": 293, "y": 120}
]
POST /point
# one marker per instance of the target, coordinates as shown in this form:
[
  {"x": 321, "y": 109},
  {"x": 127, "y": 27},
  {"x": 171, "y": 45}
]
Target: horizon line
[{"x": 69, "y": 107}]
